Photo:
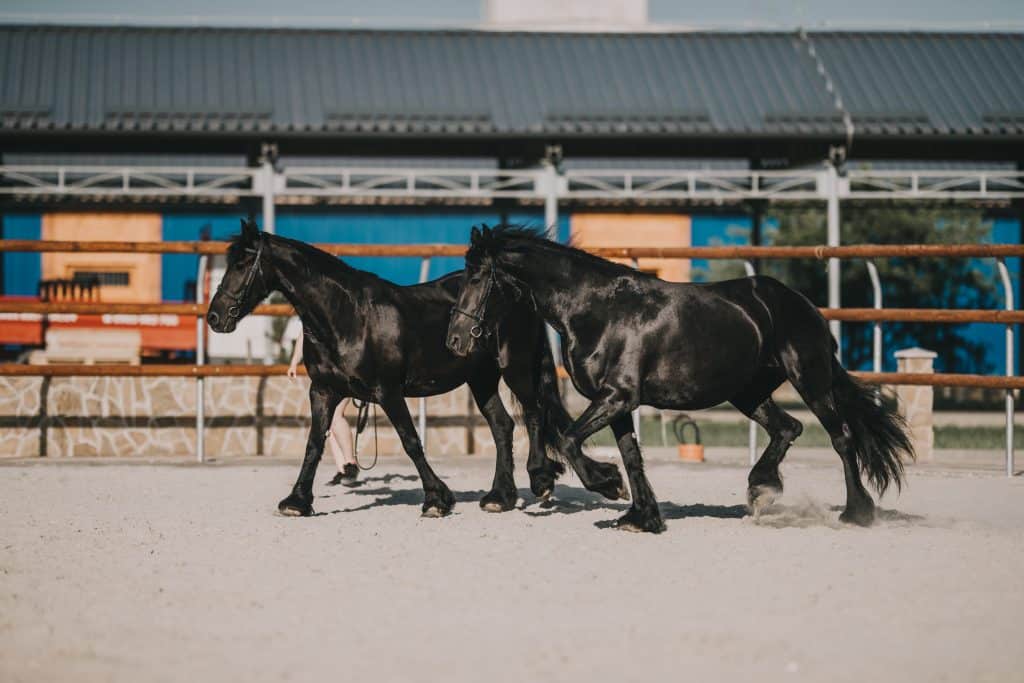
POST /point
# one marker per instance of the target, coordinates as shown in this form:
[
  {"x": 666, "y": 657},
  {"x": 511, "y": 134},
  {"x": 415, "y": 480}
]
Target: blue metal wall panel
[
  {"x": 178, "y": 269},
  {"x": 22, "y": 271},
  {"x": 716, "y": 231},
  {"x": 1004, "y": 231}
]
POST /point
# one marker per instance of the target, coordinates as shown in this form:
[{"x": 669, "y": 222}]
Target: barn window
[{"x": 106, "y": 278}]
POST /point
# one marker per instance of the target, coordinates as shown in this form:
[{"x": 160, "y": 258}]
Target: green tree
[{"x": 906, "y": 283}]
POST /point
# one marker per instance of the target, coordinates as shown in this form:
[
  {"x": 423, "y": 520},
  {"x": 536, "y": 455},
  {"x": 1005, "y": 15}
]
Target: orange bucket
[
  {"x": 688, "y": 452},
  {"x": 691, "y": 452}
]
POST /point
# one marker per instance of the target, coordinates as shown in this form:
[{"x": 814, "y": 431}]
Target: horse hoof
[
  {"x": 759, "y": 497},
  {"x": 624, "y": 493},
  {"x": 544, "y": 496},
  {"x": 638, "y": 523},
  {"x": 860, "y": 516},
  {"x": 293, "y": 506},
  {"x": 433, "y": 512},
  {"x": 495, "y": 506}
]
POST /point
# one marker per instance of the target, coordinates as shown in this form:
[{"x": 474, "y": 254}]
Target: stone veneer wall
[{"x": 155, "y": 416}]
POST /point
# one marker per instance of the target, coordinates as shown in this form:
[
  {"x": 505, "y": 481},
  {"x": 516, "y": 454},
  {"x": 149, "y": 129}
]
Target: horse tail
[
  {"x": 555, "y": 420},
  {"x": 878, "y": 433}
]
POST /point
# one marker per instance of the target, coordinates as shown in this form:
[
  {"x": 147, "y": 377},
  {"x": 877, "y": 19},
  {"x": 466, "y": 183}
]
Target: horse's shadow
[
  {"x": 568, "y": 501},
  {"x": 387, "y": 497}
]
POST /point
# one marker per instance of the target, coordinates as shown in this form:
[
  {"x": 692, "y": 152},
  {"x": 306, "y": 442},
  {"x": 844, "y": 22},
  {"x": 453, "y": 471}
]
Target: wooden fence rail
[
  {"x": 430, "y": 250},
  {"x": 173, "y": 370},
  {"x": 920, "y": 315}
]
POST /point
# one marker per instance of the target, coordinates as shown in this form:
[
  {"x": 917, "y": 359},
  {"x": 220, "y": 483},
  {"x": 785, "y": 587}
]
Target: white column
[
  {"x": 268, "y": 185},
  {"x": 550, "y": 189},
  {"x": 833, "y": 240}
]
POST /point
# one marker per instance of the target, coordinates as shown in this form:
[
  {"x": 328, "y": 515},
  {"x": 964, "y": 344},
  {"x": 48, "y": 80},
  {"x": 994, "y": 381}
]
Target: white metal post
[
  {"x": 876, "y": 332},
  {"x": 550, "y": 199},
  {"x": 1004, "y": 276},
  {"x": 636, "y": 413},
  {"x": 267, "y": 191},
  {"x": 833, "y": 240},
  {"x": 748, "y": 266},
  {"x": 200, "y": 360},
  {"x": 424, "y": 274}
]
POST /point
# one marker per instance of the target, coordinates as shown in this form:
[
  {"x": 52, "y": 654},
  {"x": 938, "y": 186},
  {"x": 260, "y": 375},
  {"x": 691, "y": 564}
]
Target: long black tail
[
  {"x": 555, "y": 419},
  {"x": 879, "y": 434}
]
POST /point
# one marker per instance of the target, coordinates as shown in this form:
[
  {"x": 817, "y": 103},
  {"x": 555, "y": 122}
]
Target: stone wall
[{"x": 155, "y": 416}]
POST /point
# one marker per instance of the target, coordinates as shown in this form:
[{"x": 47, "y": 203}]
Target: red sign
[{"x": 160, "y": 332}]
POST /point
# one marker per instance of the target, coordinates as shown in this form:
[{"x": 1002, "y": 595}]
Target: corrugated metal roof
[
  {"x": 506, "y": 83},
  {"x": 928, "y": 83}
]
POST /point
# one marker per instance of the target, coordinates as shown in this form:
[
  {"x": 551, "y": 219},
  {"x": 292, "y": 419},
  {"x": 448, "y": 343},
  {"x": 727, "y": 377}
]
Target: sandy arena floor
[{"x": 163, "y": 573}]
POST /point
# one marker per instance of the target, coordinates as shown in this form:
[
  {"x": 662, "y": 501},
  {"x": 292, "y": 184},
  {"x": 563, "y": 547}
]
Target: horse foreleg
[
  {"x": 322, "y": 403},
  {"x": 643, "y": 515},
  {"x": 613, "y": 407},
  {"x": 437, "y": 498},
  {"x": 503, "y": 494}
]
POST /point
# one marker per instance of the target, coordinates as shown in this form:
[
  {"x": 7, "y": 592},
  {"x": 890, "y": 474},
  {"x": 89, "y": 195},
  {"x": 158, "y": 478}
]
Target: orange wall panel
[
  {"x": 637, "y": 230},
  {"x": 143, "y": 270}
]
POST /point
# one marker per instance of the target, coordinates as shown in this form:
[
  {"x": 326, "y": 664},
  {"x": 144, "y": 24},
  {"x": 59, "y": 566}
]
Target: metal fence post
[
  {"x": 876, "y": 331},
  {"x": 200, "y": 359},
  {"x": 270, "y": 178},
  {"x": 833, "y": 240},
  {"x": 748, "y": 266},
  {"x": 550, "y": 190},
  {"x": 636, "y": 413},
  {"x": 424, "y": 274},
  {"x": 1004, "y": 276}
]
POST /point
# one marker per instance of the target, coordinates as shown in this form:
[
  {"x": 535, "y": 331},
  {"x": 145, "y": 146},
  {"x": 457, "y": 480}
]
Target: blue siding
[
  {"x": 716, "y": 231},
  {"x": 22, "y": 271},
  {"x": 1004, "y": 231},
  {"x": 355, "y": 227},
  {"x": 179, "y": 269}
]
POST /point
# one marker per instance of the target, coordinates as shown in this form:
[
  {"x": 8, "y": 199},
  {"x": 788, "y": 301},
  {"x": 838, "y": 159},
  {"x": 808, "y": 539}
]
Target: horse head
[{"x": 245, "y": 281}]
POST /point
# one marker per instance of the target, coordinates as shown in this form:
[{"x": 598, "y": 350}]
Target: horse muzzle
[
  {"x": 218, "y": 323},
  {"x": 457, "y": 346}
]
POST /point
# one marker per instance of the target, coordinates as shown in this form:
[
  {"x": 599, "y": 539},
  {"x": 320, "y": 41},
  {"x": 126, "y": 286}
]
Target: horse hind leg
[
  {"x": 764, "y": 483},
  {"x": 810, "y": 370}
]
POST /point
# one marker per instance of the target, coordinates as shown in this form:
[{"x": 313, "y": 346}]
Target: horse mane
[
  {"x": 510, "y": 238},
  {"x": 326, "y": 264}
]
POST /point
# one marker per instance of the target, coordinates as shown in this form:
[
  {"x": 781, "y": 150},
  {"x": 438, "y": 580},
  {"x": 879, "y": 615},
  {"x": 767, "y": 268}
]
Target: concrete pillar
[{"x": 916, "y": 404}]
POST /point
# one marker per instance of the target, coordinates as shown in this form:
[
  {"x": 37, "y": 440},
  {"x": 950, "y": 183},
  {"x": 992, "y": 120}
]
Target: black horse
[
  {"x": 373, "y": 340},
  {"x": 630, "y": 339}
]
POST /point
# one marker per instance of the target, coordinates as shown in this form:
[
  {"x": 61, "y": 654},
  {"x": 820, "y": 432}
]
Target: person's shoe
[{"x": 348, "y": 476}]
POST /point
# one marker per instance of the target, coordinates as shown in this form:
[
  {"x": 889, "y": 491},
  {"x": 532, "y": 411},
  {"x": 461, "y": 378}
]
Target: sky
[{"x": 783, "y": 14}]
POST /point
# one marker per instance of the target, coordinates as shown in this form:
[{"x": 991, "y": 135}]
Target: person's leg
[{"x": 340, "y": 442}]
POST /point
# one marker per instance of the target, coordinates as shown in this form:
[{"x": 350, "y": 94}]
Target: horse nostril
[
  {"x": 212, "y": 318},
  {"x": 453, "y": 342}
]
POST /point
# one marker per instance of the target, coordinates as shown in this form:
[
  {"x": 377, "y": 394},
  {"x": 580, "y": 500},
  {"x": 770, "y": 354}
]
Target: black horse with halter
[
  {"x": 480, "y": 329},
  {"x": 234, "y": 311}
]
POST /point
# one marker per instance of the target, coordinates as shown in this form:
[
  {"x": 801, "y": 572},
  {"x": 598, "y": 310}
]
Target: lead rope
[{"x": 362, "y": 413}]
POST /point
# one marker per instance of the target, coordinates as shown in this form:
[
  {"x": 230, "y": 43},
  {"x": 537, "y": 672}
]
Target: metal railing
[{"x": 876, "y": 315}]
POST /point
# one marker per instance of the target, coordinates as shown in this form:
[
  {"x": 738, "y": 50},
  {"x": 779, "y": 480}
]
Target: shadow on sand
[{"x": 569, "y": 501}]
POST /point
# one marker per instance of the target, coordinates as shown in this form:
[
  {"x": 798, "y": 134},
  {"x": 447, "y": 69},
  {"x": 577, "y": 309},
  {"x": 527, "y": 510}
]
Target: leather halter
[
  {"x": 478, "y": 330},
  {"x": 234, "y": 310}
]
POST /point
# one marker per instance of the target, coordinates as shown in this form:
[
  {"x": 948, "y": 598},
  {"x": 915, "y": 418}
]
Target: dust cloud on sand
[{"x": 157, "y": 573}]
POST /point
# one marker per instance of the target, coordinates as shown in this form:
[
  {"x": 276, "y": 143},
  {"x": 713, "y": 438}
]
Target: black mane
[
  {"x": 518, "y": 239},
  {"x": 315, "y": 259}
]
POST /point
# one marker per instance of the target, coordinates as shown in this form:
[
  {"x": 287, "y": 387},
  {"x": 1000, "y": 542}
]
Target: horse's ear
[
  {"x": 250, "y": 231},
  {"x": 474, "y": 235},
  {"x": 486, "y": 232}
]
